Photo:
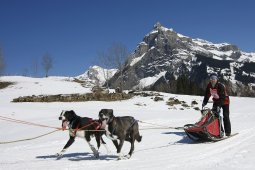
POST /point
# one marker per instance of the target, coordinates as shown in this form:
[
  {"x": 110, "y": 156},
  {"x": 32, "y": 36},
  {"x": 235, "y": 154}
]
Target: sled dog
[
  {"x": 83, "y": 127},
  {"x": 122, "y": 128}
]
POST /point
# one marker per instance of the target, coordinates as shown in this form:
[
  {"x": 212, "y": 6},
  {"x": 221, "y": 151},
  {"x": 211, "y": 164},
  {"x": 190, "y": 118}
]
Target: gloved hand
[{"x": 218, "y": 109}]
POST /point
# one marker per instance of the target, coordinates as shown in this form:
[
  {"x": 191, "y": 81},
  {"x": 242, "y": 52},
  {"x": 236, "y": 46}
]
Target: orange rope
[
  {"x": 21, "y": 140},
  {"x": 26, "y": 123},
  {"x": 40, "y": 125}
]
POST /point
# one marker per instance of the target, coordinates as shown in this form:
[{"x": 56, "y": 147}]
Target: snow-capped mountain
[
  {"x": 96, "y": 75},
  {"x": 168, "y": 61}
]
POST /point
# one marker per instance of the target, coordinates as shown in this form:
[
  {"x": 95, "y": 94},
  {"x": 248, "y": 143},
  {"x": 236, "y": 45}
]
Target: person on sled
[{"x": 220, "y": 100}]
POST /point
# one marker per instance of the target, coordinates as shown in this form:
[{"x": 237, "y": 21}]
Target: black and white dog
[
  {"x": 83, "y": 127},
  {"x": 123, "y": 128}
]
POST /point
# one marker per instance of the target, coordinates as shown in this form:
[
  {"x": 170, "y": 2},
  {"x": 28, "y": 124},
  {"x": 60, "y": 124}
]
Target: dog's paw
[
  {"x": 60, "y": 154},
  {"x": 121, "y": 157},
  {"x": 96, "y": 155},
  {"x": 127, "y": 156}
]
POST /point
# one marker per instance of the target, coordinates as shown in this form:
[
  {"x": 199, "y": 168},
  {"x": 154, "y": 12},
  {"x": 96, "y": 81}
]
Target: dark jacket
[{"x": 218, "y": 92}]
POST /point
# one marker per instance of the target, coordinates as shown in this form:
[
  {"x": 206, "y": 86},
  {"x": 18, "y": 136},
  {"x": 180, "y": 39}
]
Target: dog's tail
[
  {"x": 138, "y": 137},
  {"x": 135, "y": 130}
]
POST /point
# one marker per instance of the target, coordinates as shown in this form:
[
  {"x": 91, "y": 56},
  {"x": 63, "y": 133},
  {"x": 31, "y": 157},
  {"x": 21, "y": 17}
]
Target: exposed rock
[
  {"x": 75, "y": 97},
  {"x": 229, "y": 48},
  {"x": 156, "y": 99}
]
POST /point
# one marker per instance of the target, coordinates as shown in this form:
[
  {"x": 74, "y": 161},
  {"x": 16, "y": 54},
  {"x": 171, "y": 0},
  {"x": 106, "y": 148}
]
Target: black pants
[{"x": 226, "y": 120}]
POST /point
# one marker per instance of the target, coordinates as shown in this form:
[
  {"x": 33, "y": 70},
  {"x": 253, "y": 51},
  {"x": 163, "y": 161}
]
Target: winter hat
[{"x": 213, "y": 76}]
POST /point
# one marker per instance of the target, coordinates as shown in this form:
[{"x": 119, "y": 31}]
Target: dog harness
[
  {"x": 91, "y": 122},
  {"x": 72, "y": 132}
]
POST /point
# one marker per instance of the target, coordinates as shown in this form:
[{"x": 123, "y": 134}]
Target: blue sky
[{"x": 74, "y": 31}]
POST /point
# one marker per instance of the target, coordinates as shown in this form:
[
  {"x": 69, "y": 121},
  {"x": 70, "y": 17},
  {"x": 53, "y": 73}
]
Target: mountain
[
  {"x": 96, "y": 75},
  {"x": 171, "y": 62}
]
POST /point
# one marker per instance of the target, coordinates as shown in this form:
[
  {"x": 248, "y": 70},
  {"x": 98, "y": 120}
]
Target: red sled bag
[{"x": 208, "y": 128}]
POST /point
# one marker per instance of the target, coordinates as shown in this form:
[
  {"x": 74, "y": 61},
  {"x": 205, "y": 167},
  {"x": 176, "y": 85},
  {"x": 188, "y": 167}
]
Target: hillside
[{"x": 161, "y": 148}]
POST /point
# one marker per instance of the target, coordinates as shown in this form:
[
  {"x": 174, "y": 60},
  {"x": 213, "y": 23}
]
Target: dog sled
[{"x": 208, "y": 128}]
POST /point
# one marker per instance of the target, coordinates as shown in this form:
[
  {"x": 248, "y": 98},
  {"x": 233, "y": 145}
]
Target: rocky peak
[
  {"x": 157, "y": 25},
  {"x": 165, "y": 57},
  {"x": 229, "y": 47}
]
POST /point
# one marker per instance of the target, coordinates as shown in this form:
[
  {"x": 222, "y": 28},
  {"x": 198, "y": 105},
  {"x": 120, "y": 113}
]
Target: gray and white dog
[{"x": 122, "y": 128}]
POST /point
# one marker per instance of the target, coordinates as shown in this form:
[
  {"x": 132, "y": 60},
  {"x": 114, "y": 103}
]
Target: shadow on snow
[
  {"x": 78, "y": 157},
  {"x": 185, "y": 139}
]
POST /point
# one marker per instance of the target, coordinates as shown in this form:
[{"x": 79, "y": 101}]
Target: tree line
[
  {"x": 46, "y": 64},
  {"x": 113, "y": 57}
]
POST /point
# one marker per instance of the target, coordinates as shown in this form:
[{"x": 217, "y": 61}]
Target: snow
[
  {"x": 201, "y": 42},
  {"x": 40, "y": 86},
  {"x": 198, "y": 48},
  {"x": 150, "y": 80},
  {"x": 200, "y": 45},
  {"x": 216, "y": 57},
  {"x": 221, "y": 53},
  {"x": 184, "y": 54},
  {"x": 159, "y": 148},
  {"x": 247, "y": 56},
  {"x": 166, "y": 29},
  {"x": 137, "y": 59},
  {"x": 182, "y": 36}
]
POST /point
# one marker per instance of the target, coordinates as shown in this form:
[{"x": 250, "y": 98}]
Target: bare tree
[
  {"x": 114, "y": 57},
  {"x": 47, "y": 63},
  {"x": 118, "y": 54},
  {"x": 106, "y": 63},
  {"x": 25, "y": 72},
  {"x": 2, "y": 62},
  {"x": 35, "y": 67}
]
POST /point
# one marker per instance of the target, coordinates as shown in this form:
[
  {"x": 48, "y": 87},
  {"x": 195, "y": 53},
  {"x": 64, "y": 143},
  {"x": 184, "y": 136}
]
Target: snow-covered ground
[{"x": 160, "y": 148}]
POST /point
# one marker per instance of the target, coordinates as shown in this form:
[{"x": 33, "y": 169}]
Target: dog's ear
[
  {"x": 104, "y": 111},
  {"x": 110, "y": 111},
  {"x": 72, "y": 112}
]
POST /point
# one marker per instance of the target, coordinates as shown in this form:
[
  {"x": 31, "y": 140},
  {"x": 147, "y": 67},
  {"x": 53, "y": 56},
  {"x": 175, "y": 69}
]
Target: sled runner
[
  {"x": 225, "y": 137},
  {"x": 208, "y": 128}
]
